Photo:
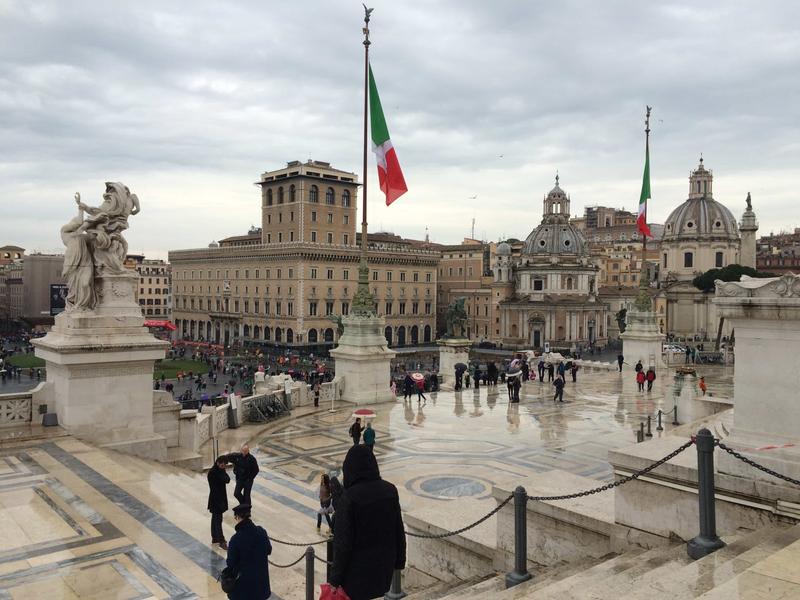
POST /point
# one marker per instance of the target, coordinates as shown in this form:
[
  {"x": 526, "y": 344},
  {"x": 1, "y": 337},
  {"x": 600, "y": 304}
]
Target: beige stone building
[
  {"x": 154, "y": 293},
  {"x": 27, "y": 279},
  {"x": 282, "y": 283}
]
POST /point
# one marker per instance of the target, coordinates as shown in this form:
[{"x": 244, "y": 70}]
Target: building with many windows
[
  {"x": 154, "y": 293},
  {"x": 282, "y": 284}
]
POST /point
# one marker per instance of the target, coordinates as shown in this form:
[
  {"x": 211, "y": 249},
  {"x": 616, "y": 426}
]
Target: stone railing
[{"x": 16, "y": 409}]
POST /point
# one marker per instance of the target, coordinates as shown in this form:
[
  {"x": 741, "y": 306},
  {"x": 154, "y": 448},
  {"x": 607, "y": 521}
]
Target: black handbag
[{"x": 227, "y": 579}]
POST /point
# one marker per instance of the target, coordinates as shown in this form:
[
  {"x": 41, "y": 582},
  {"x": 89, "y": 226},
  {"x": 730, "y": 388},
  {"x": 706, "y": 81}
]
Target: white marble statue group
[{"x": 95, "y": 245}]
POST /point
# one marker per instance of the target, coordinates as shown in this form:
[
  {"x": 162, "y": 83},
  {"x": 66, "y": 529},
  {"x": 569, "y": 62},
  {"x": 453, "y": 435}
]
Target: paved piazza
[{"x": 78, "y": 522}]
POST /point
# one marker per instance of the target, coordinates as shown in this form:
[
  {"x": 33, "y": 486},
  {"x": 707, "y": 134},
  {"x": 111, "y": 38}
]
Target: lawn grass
[
  {"x": 170, "y": 367},
  {"x": 25, "y": 361}
]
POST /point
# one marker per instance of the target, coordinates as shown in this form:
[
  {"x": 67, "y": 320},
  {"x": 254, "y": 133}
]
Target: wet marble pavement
[{"x": 80, "y": 522}]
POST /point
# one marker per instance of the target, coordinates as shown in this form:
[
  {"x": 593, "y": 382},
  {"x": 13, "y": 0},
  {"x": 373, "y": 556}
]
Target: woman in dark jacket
[
  {"x": 369, "y": 540},
  {"x": 247, "y": 557},
  {"x": 218, "y": 500}
]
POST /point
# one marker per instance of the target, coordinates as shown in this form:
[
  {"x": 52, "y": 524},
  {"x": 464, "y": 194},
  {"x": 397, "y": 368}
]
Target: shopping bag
[{"x": 328, "y": 592}]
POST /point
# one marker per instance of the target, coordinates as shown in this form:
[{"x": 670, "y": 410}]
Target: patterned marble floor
[{"x": 77, "y": 522}]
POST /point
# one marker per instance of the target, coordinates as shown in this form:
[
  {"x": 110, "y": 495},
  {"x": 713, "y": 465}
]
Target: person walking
[
  {"x": 516, "y": 385},
  {"x": 247, "y": 560},
  {"x": 550, "y": 370},
  {"x": 218, "y": 500},
  {"x": 245, "y": 469},
  {"x": 639, "y": 368},
  {"x": 562, "y": 370},
  {"x": 688, "y": 354},
  {"x": 369, "y": 437},
  {"x": 315, "y": 389},
  {"x": 574, "y": 371},
  {"x": 355, "y": 431},
  {"x": 337, "y": 491},
  {"x": 408, "y": 387},
  {"x": 650, "y": 376},
  {"x": 702, "y": 385},
  {"x": 540, "y": 367},
  {"x": 420, "y": 390},
  {"x": 325, "y": 501},
  {"x": 640, "y": 379},
  {"x": 559, "y": 385},
  {"x": 620, "y": 360},
  {"x": 369, "y": 539}
]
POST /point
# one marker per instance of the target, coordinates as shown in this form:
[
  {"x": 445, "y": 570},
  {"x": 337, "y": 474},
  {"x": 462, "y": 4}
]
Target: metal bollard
[
  {"x": 639, "y": 436},
  {"x": 309, "y": 573},
  {"x": 707, "y": 542},
  {"x": 659, "y": 427},
  {"x": 520, "y": 572},
  {"x": 329, "y": 552},
  {"x": 396, "y": 590},
  {"x": 675, "y": 417},
  {"x": 649, "y": 432}
]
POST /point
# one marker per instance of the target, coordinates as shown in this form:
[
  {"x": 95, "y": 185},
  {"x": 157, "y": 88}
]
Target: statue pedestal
[
  {"x": 452, "y": 351},
  {"x": 766, "y": 316},
  {"x": 642, "y": 339},
  {"x": 363, "y": 360},
  {"x": 100, "y": 369}
]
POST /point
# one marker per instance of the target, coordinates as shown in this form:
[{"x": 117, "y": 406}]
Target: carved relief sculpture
[{"x": 95, "y": 245}]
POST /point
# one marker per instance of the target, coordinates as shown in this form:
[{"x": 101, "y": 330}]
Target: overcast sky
[{"x": 188, "y": 102}]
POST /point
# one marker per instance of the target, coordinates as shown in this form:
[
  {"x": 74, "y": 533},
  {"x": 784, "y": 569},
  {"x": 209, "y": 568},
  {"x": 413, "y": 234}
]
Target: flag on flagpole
[
  {"x": 641, "y": 220},
  {"x": 390, "y": 176}
]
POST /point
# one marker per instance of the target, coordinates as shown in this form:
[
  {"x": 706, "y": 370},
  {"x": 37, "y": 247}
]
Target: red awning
[{"x": 161, "y": 324}]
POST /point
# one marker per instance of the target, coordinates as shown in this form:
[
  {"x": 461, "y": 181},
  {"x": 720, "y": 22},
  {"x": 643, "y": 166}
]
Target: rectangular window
[
  {"x": 346, "y": 275},
  {"x": 290, "y": 308},
  {"x": 291, "y": 236},
  {"x": 247, "y": 273},
  {"x": 267, "y": 273},
  {"x": 374, "y": 276},
  {"x": 718, "y": 259},
  {"x": 345, "y": 308},
  {"x": 312, "y": 308},
  {"x": 280, "y": 237},
  {"x": 236, "y": 306},
  {"x": 329, "y": 308},
  {"x": 346, "y": 220},
  {"x": 688, "y": 259},
  {"x": 313, "y": 272},
  {"x": 329, "y": 237},
  {"x": 313, "y": 236},
  {"x": 257, "y": 273},
  {"x": 291, "y": 273},
  {"x": 330, "y": 274},
  {"x": 416, "y": 277},
  {"x": 345, "y": 239},
  {"x": 278, "y": 309},
  {"x": 665, "y": 260},
  {"x": 427, "y": 277},
  {"x": 330, "y": 218},
  {"x": 388, "y": 309},
  {"x": 247, "y": 306},
  {"x": 415, "y": 308},
  {"x": 279, "y": 276},
  {"x": 427, "y": 308},
  {"x": 388, "y": 275},
  {"x": 255, "y": 306},
  {"x": 266, "y": 307},
  {"x": 402, "y": 275},
  {"x": 538, "y": 285},
  {"x": 313, "y": 216}
]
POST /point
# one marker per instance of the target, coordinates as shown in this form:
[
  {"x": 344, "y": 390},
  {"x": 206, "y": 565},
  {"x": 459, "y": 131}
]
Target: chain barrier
[
  {"x": 303, "y": 544},
  {"x": 753, "y": 463},
  {"x": 438, "y": 536},
  {"x": 301, "y": 557},
  {"x": 322, "y": 560},
  {"x": 619, "y": 482}
]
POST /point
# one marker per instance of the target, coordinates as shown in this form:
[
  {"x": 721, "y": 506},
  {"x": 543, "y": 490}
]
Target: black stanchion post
[
  {"x": 396, "y": 590},
  {"x": 659, "y": 427},
  {"x": 520, "y": 572},
  {"x": 309, "y": 573},
  {"x": 675, "y": 415},
  {"x": 329, "y": 552},
  {"x": 649, "y": 432},
  {"x": 707, "y": 542}
]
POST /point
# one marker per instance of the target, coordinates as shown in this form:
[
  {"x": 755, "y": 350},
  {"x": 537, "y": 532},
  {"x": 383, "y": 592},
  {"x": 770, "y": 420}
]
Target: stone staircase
[{"x": 754, "y": 565}]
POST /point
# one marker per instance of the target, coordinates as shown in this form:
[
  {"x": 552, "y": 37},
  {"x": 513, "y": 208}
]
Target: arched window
[
  {"x": 280, "y": 195},
  {"x": 269, "y": 197},
  {"x": 346, "y": 198},
  {"x": 267, "y": 333},
  {"x": 313, "y": 194},
  {"x": 312, "y": 336},
  {"x": 329, "y": 335},
  {"x": 388, "y": 335},
  {"x": 289, "y": 336},
  {"x": 246, "y": 331},
  {"x": 330, "y": 196},
  {"x": 278, "y": 334},
  {"x": 256, "y": 332},
  {"x": 401, "y": 336},
  {"x": 414, "y": 335},
  {"x": 292, "y": 193},
  {"x": 426, "y": 335},
  {"x": 569, "y": 283}
]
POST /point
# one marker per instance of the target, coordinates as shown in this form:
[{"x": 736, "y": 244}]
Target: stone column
[{"x": 765, "y": 314}]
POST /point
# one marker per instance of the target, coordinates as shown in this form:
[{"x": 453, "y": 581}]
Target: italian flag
[
  {"x": 390, "y": 176},
  {"x": 641, "y": 220}
]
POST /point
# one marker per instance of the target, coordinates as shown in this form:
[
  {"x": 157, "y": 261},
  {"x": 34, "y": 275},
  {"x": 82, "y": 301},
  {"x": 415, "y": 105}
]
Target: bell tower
[{"x": 700, "y": 182}]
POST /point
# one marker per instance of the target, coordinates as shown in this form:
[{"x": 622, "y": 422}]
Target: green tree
[{"x": 705, "y": 281}]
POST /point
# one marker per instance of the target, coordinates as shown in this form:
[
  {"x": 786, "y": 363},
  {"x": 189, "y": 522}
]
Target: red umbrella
[{"x": 418, "y": 377}]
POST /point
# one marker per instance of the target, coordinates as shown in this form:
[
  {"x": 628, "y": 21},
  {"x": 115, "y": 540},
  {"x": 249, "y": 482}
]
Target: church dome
[
  {"x": 556, "y": 235},
  {"x": 503, "y": 249},
  {"x": 700, "y": 216}
]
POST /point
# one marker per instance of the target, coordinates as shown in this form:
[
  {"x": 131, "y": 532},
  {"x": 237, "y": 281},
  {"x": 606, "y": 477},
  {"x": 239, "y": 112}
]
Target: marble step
[
  {"x": 700, "y": 576},
  {"x": 488, "y": 588},
  {"x": 549, "y": 576},
  {"x": 448, "y": 589},
  {"x": 776, "y": 577},
  {"x": 605, "y": 570}
]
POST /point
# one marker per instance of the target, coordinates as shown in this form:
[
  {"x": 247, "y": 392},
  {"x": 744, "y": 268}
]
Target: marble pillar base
[
  {"x": 452, "y": 351},
  {"x": 100, "y": 368},
  {"x": 642, "y": 339},
  {"x": 363, "y": 360}
]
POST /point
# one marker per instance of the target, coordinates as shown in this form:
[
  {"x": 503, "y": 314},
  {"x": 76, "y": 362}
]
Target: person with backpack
[
  {"x": 559, "y": 385},
  {"x": 369, "y": 437},
  {"x": 640, "y": 379},
  {"x": 420, "y": 390},
  {"x": 650, "y": 376},
  {"x": 355, "y": 431}
]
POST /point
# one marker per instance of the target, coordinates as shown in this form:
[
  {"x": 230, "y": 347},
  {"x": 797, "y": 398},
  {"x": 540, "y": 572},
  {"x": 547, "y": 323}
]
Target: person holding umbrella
[
  {"x": 419, "y": 382},
  {"x": 460, "y": 368}
]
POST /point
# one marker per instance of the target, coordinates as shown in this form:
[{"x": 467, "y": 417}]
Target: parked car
[{"x": 673, "y": 348}]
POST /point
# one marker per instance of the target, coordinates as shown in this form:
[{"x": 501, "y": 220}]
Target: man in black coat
[
  {"x": 245, "y": 468},
  {"x": 369, "y": 539},
  {"x": 218, "y": 500},
  {"x": 247, "y": 557}
]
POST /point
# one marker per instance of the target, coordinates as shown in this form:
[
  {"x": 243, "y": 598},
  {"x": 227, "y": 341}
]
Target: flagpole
[
  {"x": 643, "y": 300},
  {"x": 363, "y": 302}
]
